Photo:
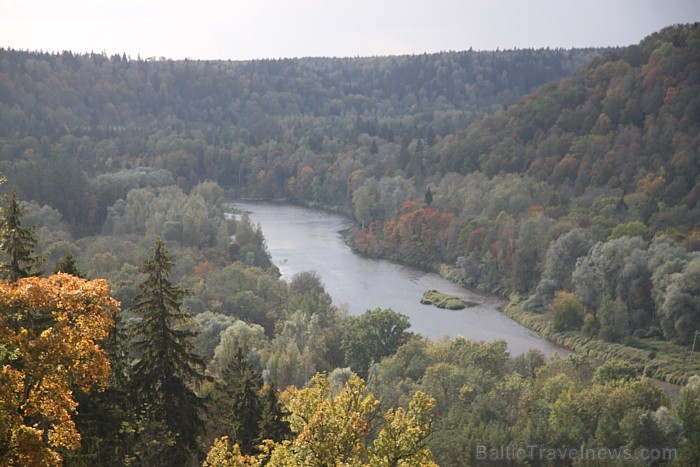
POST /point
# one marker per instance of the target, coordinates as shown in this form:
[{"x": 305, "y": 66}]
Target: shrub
[{"x": 568, "y": 312}]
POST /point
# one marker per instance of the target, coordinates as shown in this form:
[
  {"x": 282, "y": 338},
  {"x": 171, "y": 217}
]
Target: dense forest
[{"x": 143, "y": 324}]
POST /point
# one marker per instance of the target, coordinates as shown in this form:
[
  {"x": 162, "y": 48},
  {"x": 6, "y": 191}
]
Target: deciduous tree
[
  {"x": 374, "y": 335},
  {"x": 42, "y": 362}
]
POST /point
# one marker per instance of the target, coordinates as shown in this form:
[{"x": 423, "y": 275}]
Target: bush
[
  {"x": 568, "y": 312},
  {"x": 590, "y": 325}
]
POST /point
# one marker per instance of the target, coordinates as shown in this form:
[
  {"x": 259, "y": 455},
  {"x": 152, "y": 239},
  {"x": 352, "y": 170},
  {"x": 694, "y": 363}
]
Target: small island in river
[{"x": 441, "y": 300}]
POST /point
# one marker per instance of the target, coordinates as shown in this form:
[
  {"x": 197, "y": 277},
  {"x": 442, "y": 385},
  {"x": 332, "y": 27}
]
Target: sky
[{"x": 250, "y": 29}]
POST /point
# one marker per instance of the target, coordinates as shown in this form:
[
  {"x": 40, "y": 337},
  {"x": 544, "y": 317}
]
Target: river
[{"x": 302, "y": 239}]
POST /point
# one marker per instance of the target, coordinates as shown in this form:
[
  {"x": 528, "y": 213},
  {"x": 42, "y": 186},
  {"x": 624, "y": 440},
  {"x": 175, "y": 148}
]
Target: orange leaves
[
  {"x": 418, "y": 236},
  {"x": 52, "y": 328},
  {"x": 652, "y": 183}
]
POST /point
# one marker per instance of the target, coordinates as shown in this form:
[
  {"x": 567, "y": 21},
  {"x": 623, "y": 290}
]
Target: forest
[{"x": 143, "y": 323}]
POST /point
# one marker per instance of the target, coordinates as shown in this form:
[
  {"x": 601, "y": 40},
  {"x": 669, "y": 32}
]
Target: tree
[
  {"x": 613, "y": 370},
  {"x": 613, "y": 317},
  {"x": 240, "y": 387},
  {"x": 688, "y": 413},
  {"x": 559, "y": 264},
  {"x": 680, "y": 312},
  {"x": 273, "y": 417},
  {"x": 336, "y": 430},
  {"x": 68, "y": 265},
  {"x": 18, "y": 243},
  {"x": 306, "y": 282},
  {"x": 41, "y": 368},
  {"x": 605, "y": 270},
  {"x": 375, "y": 334},
  {"x": 166, "y": 375},
  {"x": 103, "y": 415},
  {"x": 568, "y": 312}
]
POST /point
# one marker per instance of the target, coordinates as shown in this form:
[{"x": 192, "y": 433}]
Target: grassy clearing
[{"x": 653, "y": 357}]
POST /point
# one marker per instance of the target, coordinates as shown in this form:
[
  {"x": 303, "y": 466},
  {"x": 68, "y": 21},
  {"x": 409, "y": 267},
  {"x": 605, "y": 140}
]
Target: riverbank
[
  {"x": 655, "y": 358},
  {"x": 305, "y": 239},
  {"x": 365, "y": 283}
]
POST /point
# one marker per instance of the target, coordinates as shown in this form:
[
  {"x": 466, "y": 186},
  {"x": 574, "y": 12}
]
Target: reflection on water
[{"x": 301, "y": 239}]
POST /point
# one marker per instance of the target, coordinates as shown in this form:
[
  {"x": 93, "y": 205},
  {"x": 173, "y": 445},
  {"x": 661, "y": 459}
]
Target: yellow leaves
[
  {"x": 54, "y": 325},
  {"x": 333, "y": 429},
  {"x": 652, "y": 183},
  {"x": 402, "y": 441},
  {"x": 221, "y": 455},
  {"x": 343, "y": 419}
]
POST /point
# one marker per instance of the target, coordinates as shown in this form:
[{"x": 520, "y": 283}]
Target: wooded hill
[
  {"x": 629, "y": 121},
  {"x": 579, "y": 202},
  {"x": 66, "y": 118},
  {"x": 611, "y": 151}
]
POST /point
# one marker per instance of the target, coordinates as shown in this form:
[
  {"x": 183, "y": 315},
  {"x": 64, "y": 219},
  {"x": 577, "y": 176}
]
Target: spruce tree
[
  {"x": 273, "y": 417},
  {"x": 68, "y": 265},
  {"x": 241, "y": 386},
  {"x": 168, "y": 372},
  {"x": 18, "y": 243},
  {"x": 103, "y": 415}
]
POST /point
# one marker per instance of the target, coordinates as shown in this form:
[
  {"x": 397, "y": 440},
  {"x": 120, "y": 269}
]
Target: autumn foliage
[
  {"x": 418, "y": 236},
  {"x": 335, "y": 429},
  {"x": 50, "y": 330}
]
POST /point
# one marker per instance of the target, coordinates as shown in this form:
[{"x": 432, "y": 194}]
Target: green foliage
[
  {"x": 630, "y": 229},
  {"x": 560, "y": 261},
  {"x": 613, "y": 317},
  {"x": 68, "y": 265},
  {"x": 371, "y": 336},
  {"x": 18, "y": 244},
  {"x": 567, "y": 312},
  {"x": 273, "y": 417},
  {"x": 679, "y": 314},
  {"x": 167, "y": 371},
  {"x": 441, "y": 300},
  {"x": 297, "y": 352},
  {"x": 687, "y": 411},
  {"x": 614, "y": 370},
  {"x": 241, "y": 386}
]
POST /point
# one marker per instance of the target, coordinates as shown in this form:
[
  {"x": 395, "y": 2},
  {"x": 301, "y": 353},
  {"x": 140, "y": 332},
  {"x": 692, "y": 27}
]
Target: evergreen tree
[
  {"x": 102, "y": 415},
  {"x": 241, "y": 387},
  {"x": 19, "y": 244},
  {"x": 68, "y": 265},
  {"x": 428, "y": 197},
  {"x": 273, "y": 417},
  {"x": 166, "y": 375}
]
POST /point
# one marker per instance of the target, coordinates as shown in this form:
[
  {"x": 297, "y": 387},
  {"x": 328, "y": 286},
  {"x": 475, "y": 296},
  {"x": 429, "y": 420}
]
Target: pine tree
[
  {"x": 168, "y": 372},
  {"x": 19, "y": 244}
]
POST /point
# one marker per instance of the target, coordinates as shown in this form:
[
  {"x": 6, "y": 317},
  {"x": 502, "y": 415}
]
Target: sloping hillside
[{"x": 630, "y": 120}]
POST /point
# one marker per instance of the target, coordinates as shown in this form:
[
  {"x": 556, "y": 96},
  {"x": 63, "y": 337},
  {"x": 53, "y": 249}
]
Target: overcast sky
[{"x": 245, "y": 29}]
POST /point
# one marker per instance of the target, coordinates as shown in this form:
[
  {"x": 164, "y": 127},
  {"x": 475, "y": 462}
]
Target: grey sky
[{"x": 244, "y": 29}]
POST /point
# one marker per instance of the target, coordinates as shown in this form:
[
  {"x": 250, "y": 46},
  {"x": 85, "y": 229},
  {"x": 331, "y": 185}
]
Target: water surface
[{"x": 302, "y": 239}]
